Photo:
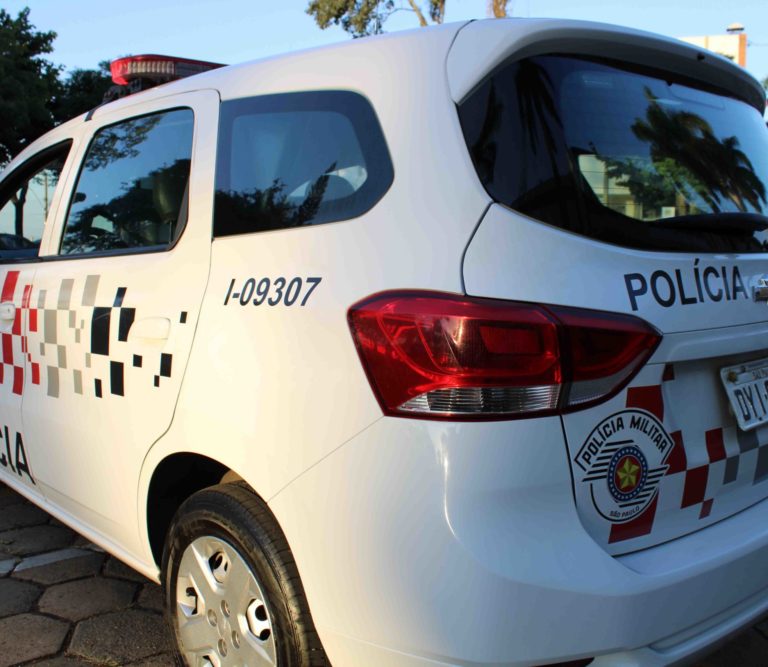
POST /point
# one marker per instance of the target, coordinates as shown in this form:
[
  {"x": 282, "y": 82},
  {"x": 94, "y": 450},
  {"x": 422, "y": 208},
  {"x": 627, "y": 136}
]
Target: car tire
[{"x": 232, "y": 589}]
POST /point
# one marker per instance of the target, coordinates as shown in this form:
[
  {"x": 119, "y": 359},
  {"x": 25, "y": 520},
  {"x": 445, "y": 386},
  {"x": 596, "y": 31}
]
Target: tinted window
[
  {"x": 628, "y": 156},
  {"x": 297, "y": 159},
  {"x": 25, "y": 201},
  {"x": 132, "y": 189}
]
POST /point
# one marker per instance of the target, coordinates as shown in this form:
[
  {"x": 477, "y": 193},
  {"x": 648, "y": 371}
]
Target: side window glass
[
  {"x": 25, "y": 201},
  {"x": 298, "y": 159},
  {"x": 132, "y": 190}
]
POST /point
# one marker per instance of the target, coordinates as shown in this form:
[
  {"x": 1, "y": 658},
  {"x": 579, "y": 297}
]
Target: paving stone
[
  {"x": 747, "y": 650},
  {"x": 120, "y": 637},
  {"x": 20, "y": 516},
  {"x": 151, "y": 597},
  {"x": 164, "y": 660},
  {"x": 84, "y": 598},
  {"x": 84, "y": 543},
  {"x": 17, "y": 597},
  {"x": 59, "y": 566},
  {"x": 35, "y": 540},
  {"x": 116, "y": 568},
  {"x": 62, "y": 661},
  {"x": 7, "y": 565},
  {"x": 43, "y": 636},
  {"x": 48, "y": 557},
  {"x": 9, "y": 498}
]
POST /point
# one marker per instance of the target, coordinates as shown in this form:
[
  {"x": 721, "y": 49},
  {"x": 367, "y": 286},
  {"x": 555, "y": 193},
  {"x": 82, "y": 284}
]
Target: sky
[{"x": 231, "y": 31}]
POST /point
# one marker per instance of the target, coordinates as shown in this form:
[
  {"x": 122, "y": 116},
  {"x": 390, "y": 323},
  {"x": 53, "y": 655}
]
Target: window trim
[
  {"x": 184, "y": 207},
  {"x": 23, "y": 172}
]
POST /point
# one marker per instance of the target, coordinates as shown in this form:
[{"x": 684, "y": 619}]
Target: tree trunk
[
  {"x": 419, "y": 15},
  {"x": 498, "y": 8}
]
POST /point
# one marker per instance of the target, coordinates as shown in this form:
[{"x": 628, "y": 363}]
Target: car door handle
[
  {"x": 7, "y": 311},
  {"x": 152, "y": 328}
]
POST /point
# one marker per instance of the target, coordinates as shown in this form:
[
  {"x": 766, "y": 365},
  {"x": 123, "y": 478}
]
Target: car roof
[
  {"x": 345, "y": 64},
  {"x": 482, "y": 46}
]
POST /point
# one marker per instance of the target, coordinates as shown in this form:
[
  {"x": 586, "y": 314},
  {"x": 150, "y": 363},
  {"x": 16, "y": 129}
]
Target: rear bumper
[{"x": 424, "y": 543}]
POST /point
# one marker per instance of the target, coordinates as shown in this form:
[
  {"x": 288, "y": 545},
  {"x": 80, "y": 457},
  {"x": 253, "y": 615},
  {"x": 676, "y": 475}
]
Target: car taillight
[{"x": 435, "y": 355}]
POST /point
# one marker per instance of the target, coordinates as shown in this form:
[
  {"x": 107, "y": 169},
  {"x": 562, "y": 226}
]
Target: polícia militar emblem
[
  {"x": 627, "y": 474},
  {"x": 623, "y": 460}
]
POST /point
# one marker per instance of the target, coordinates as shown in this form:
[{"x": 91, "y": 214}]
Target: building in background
[{"x": 732, "y": 45}]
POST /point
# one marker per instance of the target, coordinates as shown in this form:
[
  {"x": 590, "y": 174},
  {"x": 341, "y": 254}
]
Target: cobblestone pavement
[{"x": 65, "y": 603}]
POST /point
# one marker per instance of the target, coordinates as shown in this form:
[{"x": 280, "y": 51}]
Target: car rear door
[
  {"x": 641, "y": 192},
  {"x": 114, "y": 305}
]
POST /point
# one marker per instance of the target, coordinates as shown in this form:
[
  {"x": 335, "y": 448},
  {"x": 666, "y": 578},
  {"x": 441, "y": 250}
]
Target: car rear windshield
[{"x": 628, "y": 156}]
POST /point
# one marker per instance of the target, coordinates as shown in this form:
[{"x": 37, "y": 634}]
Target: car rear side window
[
  {"x": 25, "y": 201},
  {"x": 132, "y": 190},
  {"x": 298, "y": 159},
  {"x": 630, "y": 156}
]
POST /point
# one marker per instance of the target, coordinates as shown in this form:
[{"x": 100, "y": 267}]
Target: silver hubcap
[{"x": 221, "y": 611}]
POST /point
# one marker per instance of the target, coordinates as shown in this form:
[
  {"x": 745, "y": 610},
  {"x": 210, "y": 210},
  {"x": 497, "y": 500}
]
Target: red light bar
[{"x": 157, "y": 68}]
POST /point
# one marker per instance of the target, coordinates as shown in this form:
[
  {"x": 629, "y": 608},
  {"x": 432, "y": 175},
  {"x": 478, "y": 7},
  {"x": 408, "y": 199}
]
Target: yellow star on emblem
[{"x": 628, "y": 474}]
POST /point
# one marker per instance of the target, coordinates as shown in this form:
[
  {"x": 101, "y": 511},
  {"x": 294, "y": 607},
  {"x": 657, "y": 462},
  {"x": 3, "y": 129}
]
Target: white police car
[{"x": 441, "y": 348}]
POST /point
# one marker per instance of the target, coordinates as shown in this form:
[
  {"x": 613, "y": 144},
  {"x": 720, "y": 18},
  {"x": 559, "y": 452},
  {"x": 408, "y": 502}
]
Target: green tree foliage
[
  {"x": 33, "y": 96},
  {"x": 80, "y": 91},
  {"x": 367, "y": 17},
  {"x": 28, "y": 82}
]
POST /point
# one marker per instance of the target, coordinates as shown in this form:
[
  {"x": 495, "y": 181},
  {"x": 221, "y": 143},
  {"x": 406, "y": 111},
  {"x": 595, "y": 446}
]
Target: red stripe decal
[
  {"x": 35, "y": 373},
  {"x": 27, "y": 294},
  {"x": 9, "y": 286},
  {"x": 7, "y": 348},
  {"x": 33, "y": 320},
  {"x": 677, "y": 460},
  {"x": 18, "y": 380},
  {"x": 669, "y": 373},
  {"x": 637, "y": 527},
  {"x": 715, "y": 445},
  {"x": 648, "y": 399},
  {"x": 695, "y": 486}
]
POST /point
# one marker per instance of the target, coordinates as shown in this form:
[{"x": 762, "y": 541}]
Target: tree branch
[
  {"x": 498, "y": 8},
  {"x": 419, "y": 14}
]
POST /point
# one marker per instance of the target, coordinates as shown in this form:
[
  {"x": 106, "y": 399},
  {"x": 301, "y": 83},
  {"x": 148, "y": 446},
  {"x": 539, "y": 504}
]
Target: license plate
[{"x": 747, "y": 389}]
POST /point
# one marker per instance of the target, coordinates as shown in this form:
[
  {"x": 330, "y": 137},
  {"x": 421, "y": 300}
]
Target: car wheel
[{"x": 233, "y": 593}]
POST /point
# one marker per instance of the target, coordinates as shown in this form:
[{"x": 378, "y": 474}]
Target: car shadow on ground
[{"x": 65, "y": 603}]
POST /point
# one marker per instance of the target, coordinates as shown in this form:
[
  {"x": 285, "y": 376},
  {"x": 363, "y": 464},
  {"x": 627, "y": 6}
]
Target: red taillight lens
[{"x": 440, "y": 355}]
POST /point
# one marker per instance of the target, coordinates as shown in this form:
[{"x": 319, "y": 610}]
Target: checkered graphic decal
[
  {"x": 734, "y": 458},
  {"x": 14, "y": 344},
  {"x": 77, "y": 340}
]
